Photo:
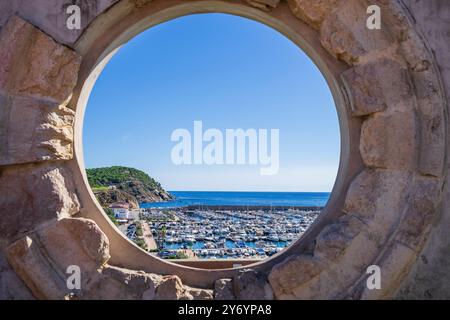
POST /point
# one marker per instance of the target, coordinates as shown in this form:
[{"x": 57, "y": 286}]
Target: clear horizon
[
  {"x": 247, "y": 191},
  {"x": 229, "y": 72}
]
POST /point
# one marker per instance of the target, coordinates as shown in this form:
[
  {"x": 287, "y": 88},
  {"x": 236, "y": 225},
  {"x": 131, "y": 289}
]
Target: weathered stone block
[
  {"x": 389, "y": 140},
  {"x": 29, "y": 262},
  {"x": 51, "y": 16},
  {"x": 200, "y": 294},
  {"x": 32, "y": 195},
  {"x": 421, "y": 207},
  {"x": 34, "y": 131},
  {"x": 432, "y": 142},
  {"x": 340, "y": 273},
  {"x": 415, "y": 52},
  {"x": 312, "y": 12},
  {"x": 252, "y": 285},
  {"x": 375, "y": 85},
  {"x": 34, "y": 65},
  {"x": 11, "y": 286},
  {"x": 335, "y": 237},
  {"x": 344, "y": 33},
  {"x": 394, "y": 266},
  {"x": 141, "y": 3},
  {"x": 380, "y": 192},
  {"x": 293, "y": 273},
  {"x": 75, "y": 241},
  {"x": 431, "y": 119},
  {"x": 265, "y": 5},
  {"x": 41, "y": 258},
  {"x": 431, "y": 104},
  {"x": 122, "y": 284},
  {"x": 343, "y": 250},
  {"x": 171, "y": 288},
  {"x": 223, "y": 289}
]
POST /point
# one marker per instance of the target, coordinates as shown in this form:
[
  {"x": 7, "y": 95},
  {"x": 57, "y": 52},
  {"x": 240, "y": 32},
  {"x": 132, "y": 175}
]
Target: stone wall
[
  {"x": 429, "y": 278},
  {"x": 394, "y": 211}
]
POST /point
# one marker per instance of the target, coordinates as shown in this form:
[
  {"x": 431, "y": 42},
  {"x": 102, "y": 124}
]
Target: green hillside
[
  {"x": 109, "y": 176},
  {"x": 111, "y": 184}
]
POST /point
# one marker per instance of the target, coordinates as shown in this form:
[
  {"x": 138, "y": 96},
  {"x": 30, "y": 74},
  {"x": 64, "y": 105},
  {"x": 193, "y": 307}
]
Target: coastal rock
[
  {"x": 106, "y": 197},
  {"x": 252, "y": 285},
  {"x": 223, "y": 289},
  {"x": 113, "y": 184},
  {"x": 143, "y": 194}
]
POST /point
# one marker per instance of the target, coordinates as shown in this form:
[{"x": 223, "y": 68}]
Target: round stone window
[
  {"x": 389, "y": 186},
  {"x": 161, "y": 93}
]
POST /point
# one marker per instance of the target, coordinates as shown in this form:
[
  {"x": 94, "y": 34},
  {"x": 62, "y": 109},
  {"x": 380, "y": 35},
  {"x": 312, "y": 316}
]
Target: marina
[{"x": 241, "y": 233}]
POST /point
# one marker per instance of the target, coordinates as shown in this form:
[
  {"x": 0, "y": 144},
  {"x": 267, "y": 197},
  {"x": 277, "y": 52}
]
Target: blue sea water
[{"x": 235, "y": 198}]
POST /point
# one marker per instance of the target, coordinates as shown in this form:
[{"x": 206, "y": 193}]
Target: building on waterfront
[{"x": 121, "y": 210}]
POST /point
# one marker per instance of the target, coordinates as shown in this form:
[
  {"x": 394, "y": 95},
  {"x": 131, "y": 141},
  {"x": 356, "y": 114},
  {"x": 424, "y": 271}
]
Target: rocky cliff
[{"x": 113, "y": 184}]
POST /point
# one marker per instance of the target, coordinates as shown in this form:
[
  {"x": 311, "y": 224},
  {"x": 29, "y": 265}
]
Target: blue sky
[{"x": 230, "y": 73}]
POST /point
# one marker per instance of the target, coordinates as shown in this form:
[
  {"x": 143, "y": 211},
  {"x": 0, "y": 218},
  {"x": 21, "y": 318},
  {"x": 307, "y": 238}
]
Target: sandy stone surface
[
  {"x": 33, "y": 195},
  {"x": 395, "y": 90},
  {"x": 252, "y": 285},
  {"x": 34, "y": 131},
  {"x": 44, "y": 69},
  {"x": 265, "y": 5},
  {"x": 42, "y": 258},
  {"x": 313, "y": 12},
  {"x": 224, "y": 289}
]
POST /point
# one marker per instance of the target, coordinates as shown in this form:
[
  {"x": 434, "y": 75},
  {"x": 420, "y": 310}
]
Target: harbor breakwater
[{"x": 252, "y": 207}]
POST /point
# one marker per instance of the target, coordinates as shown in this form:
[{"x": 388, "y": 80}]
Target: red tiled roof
[{"x": 120, "y": 205}]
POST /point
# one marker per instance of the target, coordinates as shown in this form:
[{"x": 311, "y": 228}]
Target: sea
[{"x": 238, "y": 198}]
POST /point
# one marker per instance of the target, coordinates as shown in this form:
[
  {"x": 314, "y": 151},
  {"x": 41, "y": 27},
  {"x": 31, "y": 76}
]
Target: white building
[{"x": 121, "y": 210}]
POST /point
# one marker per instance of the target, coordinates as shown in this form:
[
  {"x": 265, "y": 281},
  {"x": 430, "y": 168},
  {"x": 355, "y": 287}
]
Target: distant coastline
[{"x": 236, "y": 200}]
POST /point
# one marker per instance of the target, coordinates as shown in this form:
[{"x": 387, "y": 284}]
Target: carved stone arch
[{"x": 393, "y": 117}]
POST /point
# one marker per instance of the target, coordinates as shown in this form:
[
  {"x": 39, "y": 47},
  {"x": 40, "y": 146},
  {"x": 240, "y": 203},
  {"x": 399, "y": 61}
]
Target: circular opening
[
  {"x": 206, "y": 77},
  {"x": 117, "y": 26}
]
